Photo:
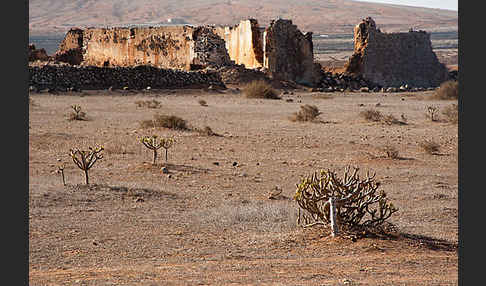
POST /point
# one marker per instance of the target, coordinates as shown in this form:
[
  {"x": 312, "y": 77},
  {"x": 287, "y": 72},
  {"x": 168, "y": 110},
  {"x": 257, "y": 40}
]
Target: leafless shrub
[
  {"x": 431, "y": 112},
  {"x": 166, "y": 121},
  {"x": 451, "y": 113},
  {"x": 77, "y": 114},
  {"x": 447, "y": 90},
  {"x": 430, "y": 147},
  {"x": 391, "y": 152},
  {"x": 306, "y": 113},
  {"x": 148, "y": 103},
  {"x": 260, "y": 89},
  {"x": 85, "y": 159},
  {"x": 371, "y": 115}
]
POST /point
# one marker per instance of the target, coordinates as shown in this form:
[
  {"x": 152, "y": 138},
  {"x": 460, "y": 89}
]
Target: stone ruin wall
[
  {"x": 176, "y": 47},
  {"x": 289, "y": 54},
  {"x": 395, "y": 59},
  {"x": 281, "y": 48},
  {"x": 244, "y": 43}
]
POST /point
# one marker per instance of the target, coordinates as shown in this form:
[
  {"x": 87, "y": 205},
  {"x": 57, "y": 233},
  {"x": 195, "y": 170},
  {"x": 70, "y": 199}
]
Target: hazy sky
[{"x": 442, "y": 4}]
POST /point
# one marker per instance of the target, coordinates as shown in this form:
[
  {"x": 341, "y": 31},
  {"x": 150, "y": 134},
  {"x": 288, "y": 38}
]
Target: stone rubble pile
[{"x": 65, "y": 78}]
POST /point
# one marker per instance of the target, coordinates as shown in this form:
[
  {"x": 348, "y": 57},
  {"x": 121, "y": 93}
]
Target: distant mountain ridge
[{"x": 48, "y": 17}]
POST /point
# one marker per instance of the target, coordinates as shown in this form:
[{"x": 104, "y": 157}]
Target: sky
[{"x": 441, "y": 4}]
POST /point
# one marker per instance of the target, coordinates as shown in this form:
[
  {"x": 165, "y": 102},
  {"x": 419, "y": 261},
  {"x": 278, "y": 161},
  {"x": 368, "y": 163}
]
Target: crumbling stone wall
[
  {"x": 244, "y": 43},
  {"x": 281, "y": 49},
  {"x": 395, "y": 59},
  {"x": 289, "y": 54},
  {"x": 37, "y": 54},
  {"x": 209, "y": 49},
  {"x": 65, "y": 77},
  {"x": 71, "y": 48},
  {"x": 176, "y": 47}
]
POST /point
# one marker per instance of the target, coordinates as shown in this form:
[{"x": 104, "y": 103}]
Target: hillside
[{"x": 48, "y": 17}]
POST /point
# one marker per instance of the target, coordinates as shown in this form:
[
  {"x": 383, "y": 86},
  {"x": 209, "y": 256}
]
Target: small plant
[
  {"x": 306, "y": 113},
  {"x": 390, "y": 120},
  {"x": 148, "y": 103},
  {"x": 154, "y": 144},
  {"x": 207, "y": 131},
  {"x": 202, "y": 102},
  {"x": 430, "y": 147},
  {"x": 371, "y": 115},
  {"x": 60, "y": 170},
  {"x": 260, "y": 89},
  {"x": 447, "y": 90},
  {"x": 431, "y": 112},
  {"x": 167, "y": 121},
  {"x": 77, "y": 114},
  {"x": 451, "y": 113},
  {"x": 86, "y": 159},
  {"x": 391, "y": 152},
  {"x": 325, "y": 199}
]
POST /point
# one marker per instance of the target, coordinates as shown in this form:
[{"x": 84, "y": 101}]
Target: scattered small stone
[
  {"x": 235, "y": 163},
  {"x": 165, "y": 170},
  {"x": 216, "y": 163}
]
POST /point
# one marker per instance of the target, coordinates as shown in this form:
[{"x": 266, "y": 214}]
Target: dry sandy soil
[{"x": 209, "y": 221}]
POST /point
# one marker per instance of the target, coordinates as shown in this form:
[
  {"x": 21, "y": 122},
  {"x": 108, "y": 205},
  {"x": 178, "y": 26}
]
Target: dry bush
[
  {"x": 431, "y": 113},
  {"x": 166, "y": 121},
  {"x": 390, "y": 120},
  {"x": 447, "y": 90},
  {"x": 371, "y": 115},
  {"x": 207, "y": 131},
  {"x": 451, "y": 113},
  {"x": 391, "y": 152},
  {"x": 306, "y": 113},
  {"x": 430, "y": 147},
  {"x": 260, "y": 89},
  {"x": 148, "y": 103},
  {"x": 351, "y": 202},
  {"x": 77, "y": 114},
  {"x": 202, "y": 102}
]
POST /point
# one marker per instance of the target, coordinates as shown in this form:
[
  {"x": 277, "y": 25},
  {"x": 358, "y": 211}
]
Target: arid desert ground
[{"x": 209, "y": 220}]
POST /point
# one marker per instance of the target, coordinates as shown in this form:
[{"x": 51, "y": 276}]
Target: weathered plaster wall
[
  {"x": 176, "y": 47},
  {"x": 244, "y": 43},
  {"x": 395, "y": 59},
  {"x": 167, "y": 47}
]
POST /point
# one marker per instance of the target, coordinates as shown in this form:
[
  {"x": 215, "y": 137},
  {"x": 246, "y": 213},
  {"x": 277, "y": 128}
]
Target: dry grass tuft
[
  {"x": 166, "y": 121},
  {"x": 430, "y": 147},
  {"x": 148, "y": 103},
  {"x": 447, "y": 90},
  {"x": 391, "y": 152},
  {"x": 371, "y": 115},
  {"x": 207, "y": 131},
  {"x": 306, "y": 113},
  {"x": 451, "y": 113},
  {"x": 390, "y": 120},
  {"x": 260, "y": 89}
]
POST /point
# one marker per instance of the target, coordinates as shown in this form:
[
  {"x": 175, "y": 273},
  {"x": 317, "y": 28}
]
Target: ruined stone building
[
  {"x": 281, "y": 49},
  {"x": 395, "y": 59}
]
